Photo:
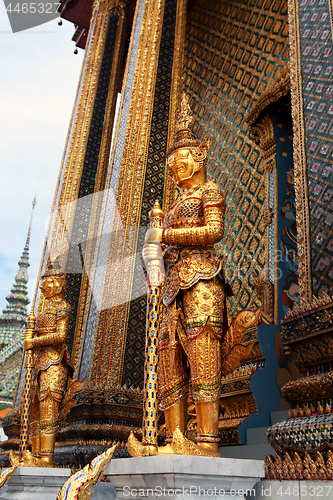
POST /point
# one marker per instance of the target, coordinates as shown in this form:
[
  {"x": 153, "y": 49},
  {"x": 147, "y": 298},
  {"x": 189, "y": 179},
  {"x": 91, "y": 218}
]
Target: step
[
  {"x": 256, "y": 435},
  {"x": 278, "y": 416},
  {"x": 249, "y": 451}
]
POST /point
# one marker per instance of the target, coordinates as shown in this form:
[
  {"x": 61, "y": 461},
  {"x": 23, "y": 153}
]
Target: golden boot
[
  {"x": 48, "y": 429},
  {"x": 207, "y": 427},
  {"x": 35, "y": 433},
  {"x": 35, "y": 445},
  {"x": 175, "y": 419},
  {"x": 35, "y": 423},
  {"x": 176, "y": 416},
  {"x": 47, "y": 450}
]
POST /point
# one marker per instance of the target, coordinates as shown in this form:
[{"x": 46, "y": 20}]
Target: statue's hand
[
  {"x": 153, "y": 235},
  {"x": 27, "y": 340},
  {"x": 152, "y": 248},
  {"x": 152, "y": 251},
  {"x": 27, "y": 344}
]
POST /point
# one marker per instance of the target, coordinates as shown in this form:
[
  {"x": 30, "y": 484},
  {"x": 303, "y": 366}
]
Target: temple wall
[{"x": 234, "y": 51}]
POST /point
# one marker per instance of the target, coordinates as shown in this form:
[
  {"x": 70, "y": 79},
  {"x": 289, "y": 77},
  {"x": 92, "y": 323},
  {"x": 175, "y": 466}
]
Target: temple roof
[{"x": 79, "y": 13}]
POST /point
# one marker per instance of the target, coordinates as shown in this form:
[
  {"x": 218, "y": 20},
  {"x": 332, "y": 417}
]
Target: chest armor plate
[
  {"x": 187, "y": 212},
  {"x": 186, "y": 266},
  {"x": 47, "y": 355},
  {"x": 47, "y": 319}
]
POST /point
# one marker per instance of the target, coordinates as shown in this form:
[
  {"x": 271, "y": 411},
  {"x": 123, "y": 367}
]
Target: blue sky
[{"x": 39, "y": 75}]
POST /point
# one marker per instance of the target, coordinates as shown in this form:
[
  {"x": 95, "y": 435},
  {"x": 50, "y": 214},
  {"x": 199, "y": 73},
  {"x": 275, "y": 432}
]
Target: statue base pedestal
[
  {"x": 184, "y": 477},
  {"x": 34, "y": 483}
]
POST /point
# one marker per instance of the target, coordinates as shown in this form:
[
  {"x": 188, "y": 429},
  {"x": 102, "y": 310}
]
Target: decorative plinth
[
  {"x": 301, "y": 434},
  {"x": 34, "y": 483},
  {"x": 183, "y": 476}
]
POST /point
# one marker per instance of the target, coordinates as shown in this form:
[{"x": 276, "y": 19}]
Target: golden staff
[
  {"x": 155, "y": 269},
  {"x": 28, "y": 379},
  {"x": 29, "y": 367}
]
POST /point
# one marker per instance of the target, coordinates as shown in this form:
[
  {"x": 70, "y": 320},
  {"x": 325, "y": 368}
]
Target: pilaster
[
  {"x": 311, "y": 48},
  {"x": 85, "y": 159}
]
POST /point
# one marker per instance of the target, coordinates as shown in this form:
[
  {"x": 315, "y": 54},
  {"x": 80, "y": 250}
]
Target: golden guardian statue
[
  {"x": 51, "y": 366},
  {"x": 195, "y": 346}
]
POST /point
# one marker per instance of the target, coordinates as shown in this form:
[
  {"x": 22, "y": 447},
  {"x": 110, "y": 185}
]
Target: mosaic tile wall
[
  {"x": 80, "y": 229},
  {"x": 317, "y": 70},
  {"x": 153, "y": 189},
  {"x": 233, "y": 51}
]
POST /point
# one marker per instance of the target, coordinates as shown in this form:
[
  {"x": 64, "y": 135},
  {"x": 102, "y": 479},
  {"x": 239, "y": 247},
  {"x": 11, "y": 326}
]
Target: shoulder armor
[
  {"x": 63, "y": 309},
  {"x": 212, "y": 194}
]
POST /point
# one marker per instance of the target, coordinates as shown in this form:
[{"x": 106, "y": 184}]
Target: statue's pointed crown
[
  {"x": 184, "y": 137},
  {"x": 53, "y": 268}
]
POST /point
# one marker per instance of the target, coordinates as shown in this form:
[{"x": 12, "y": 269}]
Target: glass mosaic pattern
[
  {"x": 271, "y": 228},
  {"x": 126, "y": 101},
  {"x": 317, "y": 70},
  {"x": 309, "y": 433},
  {"x": 233, "y": 52},
  {"x": 64, "y": 161},
  {"x": 136, "y": 340}
]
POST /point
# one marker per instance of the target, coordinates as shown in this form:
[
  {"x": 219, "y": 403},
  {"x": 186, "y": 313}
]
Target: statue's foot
[
  {"x": 149, "y": 451},
  {"x": 134, "y": 446},
  {"x": 210, "y": 449},
  {"x": 14, "y": 458},
  {"x": 46, "y": 461},
  {"x": 180, "y": 446},
  {"x": 183, "y": 446},
  {"x": 136, "y": 449}
]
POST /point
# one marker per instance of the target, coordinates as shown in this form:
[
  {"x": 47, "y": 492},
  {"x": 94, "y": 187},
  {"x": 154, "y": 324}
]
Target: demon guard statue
[
  {"x": 196, "y": 347},
  {"x": 44, "y": 398}
]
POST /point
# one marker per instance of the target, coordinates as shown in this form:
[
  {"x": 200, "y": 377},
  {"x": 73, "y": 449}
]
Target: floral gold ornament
[
  {"x": 292, "y": 466},
  {"x": 194, "y": 296},
  {"x": 300, "y": 167}
]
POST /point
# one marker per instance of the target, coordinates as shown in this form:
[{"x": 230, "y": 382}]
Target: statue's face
[
  {"x": 50, "y": 287},
  {"x": 181, "y": 165}
]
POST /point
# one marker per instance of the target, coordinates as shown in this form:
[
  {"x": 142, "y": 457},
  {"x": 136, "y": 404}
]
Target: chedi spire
[{"x": 14, "y": 317}]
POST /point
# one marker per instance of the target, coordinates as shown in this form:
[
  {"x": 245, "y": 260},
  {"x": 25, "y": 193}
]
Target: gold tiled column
[
  {"x": 73, "y": 161},
  {"x": 126, "y": 177},
  {"x": 103, "y": 340},
  {"x": 300, "y": 170}
]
